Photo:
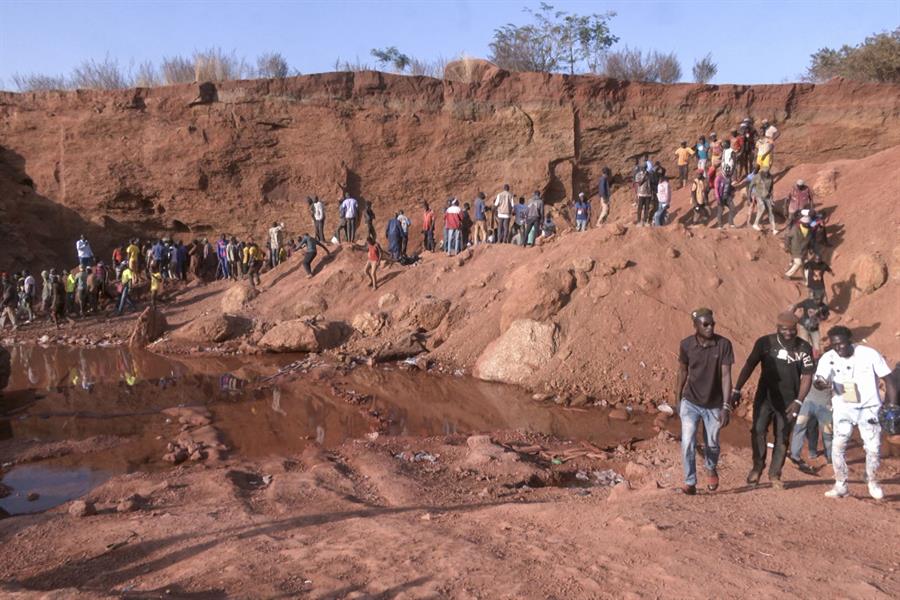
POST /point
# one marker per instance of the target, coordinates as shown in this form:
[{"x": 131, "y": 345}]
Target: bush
[
  {"x": 147, "y": 75},
  {"x": 177, "y": 69},
  {"x": 705, "y": 69},
  {"x": 272, "y": 65},
  {"x": 633, "y": 65},
  {"x": 215, "y": 65},
  {"x": 36, "y": 82},
  {"x": 348, "y": 66},
  {"x": 102, "y": 75},
  {"x": 876, "y": 59}
]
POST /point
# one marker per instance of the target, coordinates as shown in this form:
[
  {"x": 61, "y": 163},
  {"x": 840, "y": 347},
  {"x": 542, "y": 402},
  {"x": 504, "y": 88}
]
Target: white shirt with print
[{"x": 863, "y": 369}]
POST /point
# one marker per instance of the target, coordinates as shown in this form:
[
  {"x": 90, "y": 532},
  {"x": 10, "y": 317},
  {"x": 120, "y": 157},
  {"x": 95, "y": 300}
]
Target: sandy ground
[{"x": 361, "y": 522}]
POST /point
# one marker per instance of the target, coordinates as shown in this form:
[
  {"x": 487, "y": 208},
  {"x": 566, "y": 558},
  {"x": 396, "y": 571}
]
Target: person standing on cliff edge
[{"x": 704, "y": 381}]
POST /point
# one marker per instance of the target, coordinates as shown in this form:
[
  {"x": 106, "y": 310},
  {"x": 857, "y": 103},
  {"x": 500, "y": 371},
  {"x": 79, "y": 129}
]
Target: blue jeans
[
  {"x": 811, "y": 410},
  {"x": 125, "y": 299},
  {"x": 659, "y": 219},
  {"x": 452, "y": 241},
  {"x": 691, "y": 415}
]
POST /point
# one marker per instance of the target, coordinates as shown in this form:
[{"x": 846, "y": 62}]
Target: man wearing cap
[
  {"x": 797, "y": 243},
  {"x": 787, "y": 370},
  {"x": 582, "y": 213},
  {"x": 800, "y": 198},
  {"x": 852, "y": 373},
  {"x": 704, "y": 378}
]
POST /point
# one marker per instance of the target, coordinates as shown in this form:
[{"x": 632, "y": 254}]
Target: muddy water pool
[{"x": 72, "y": 417}]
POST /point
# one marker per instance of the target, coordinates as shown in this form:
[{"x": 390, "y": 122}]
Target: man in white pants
[{"x": 852, "y": 371}]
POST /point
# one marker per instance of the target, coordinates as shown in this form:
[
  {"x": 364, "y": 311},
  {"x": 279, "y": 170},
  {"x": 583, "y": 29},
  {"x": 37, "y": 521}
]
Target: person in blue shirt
[
  {"x": 702, "y": 149},
  {"x": 479, "y": 234}
]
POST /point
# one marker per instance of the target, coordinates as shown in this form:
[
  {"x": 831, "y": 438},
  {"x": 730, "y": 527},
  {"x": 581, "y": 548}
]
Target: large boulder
[
  {"x": 237, "y": 296},
  {"x": 304, "y": 307},
  {"x": 870, "y": 272},
  {"x": 548, "y": 291},
  {"x": 211, "y": 328},
  {"x": 369, "y": 324},
  {"x": 149, "y": 327},
  {"x": 428, "y": 313},
  {"x": 524, "y": 348},
  {"x": 299, "y": 335}
]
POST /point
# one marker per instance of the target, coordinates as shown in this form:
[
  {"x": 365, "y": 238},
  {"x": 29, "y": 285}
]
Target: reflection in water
[
  {"x": 114, "y": 394},
  {"x": 54, "y": 486}
]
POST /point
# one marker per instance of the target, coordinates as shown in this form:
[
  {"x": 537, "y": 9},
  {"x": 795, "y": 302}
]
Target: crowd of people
[{"x": 839, "y": 390}]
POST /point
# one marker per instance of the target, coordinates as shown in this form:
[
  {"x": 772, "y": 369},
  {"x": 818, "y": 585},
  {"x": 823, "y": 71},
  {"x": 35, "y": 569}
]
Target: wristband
[
  {"x": 797, "y": 401},
  {"x": 727, "y": 407}
]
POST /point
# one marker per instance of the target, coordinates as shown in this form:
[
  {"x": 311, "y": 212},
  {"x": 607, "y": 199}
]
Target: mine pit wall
[{"x": 200, "y": 160}]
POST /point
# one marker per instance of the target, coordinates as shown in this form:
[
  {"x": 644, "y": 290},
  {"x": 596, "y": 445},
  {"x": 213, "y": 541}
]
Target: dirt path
[{"x": 361, "y": 523}]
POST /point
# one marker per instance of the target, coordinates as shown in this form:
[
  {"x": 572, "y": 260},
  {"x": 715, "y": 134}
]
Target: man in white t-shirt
[
  {"x": 852, "y": 372},
  {"x": 504, "y": 204},
  {"x": 349, "y": 207}
]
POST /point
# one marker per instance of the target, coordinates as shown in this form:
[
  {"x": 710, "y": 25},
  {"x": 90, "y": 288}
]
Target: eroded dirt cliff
[{"x": 203, "y": 159}]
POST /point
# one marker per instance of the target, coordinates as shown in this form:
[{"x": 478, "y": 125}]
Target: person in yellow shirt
[
  {"x": 764, "y": 150},
  {"x": 127, "y": 280},
  {"x": 71, "y": 282},
  {"x": 683, "y": 156},
  {"x": 156, "y": 282},
  {"x": 133, "y": 252},
  {"x": 254, "y": 263}
]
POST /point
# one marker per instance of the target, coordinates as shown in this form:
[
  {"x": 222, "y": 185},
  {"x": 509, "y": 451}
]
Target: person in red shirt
[
  {"x": 373, "y": 257},
  {"x": 453, "y": 223}
]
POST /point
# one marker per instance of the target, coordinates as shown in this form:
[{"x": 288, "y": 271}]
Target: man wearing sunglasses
[{"x": 704, "y": 381}]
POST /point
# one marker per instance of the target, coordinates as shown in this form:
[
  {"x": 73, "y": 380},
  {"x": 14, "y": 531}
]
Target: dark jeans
[
  {"x": 644, "y": 206},
  {"x": 729, "y": 202},
  {"x": 682, "y": 175},
  {"x": 765, "y": 413},
  {"x": 320, "y": 230},
  {"x": 504, "y": 232},
  {"x": 404, "y": 241},
  {"x": 307, "y": 262},
  {"x": 351, "y": 230},
  {"x": 429, "y": 239}
]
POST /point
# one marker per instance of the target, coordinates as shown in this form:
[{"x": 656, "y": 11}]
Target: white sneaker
[
  {"x": 875, "y": 490},
  {"x": 757, "y": 227},
  {"x": 839, "y": 490}
]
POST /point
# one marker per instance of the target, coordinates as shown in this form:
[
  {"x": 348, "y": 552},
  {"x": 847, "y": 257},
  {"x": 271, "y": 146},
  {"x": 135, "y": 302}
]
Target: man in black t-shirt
[
  {"x": 704, "y": 378},
  {"x": 815, "y": 269},
  {"x": 787, "y": 370}
]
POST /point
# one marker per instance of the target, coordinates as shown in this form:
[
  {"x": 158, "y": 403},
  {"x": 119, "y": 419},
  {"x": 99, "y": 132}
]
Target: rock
[
  {"x": 304, "y": 307},
  {"x": 150, "y": 325},
  {"x": 523, "y": 349},
  {"x": 619, "y": 492},
  {"x": 177, "y": 456},
  {"x": 368, "y": 324},
  {"x": 870, "y": 272},
  {"x": 636, "y": 472},
  {"x": 619, "y": 414},
  {"x": 5, "y": 490},
  {"x": 32, "y": 496},
  {"x": 237, "y": 296},
  {"x": 299, "y": 335},
  {"x": 82, "y": 508},
  {"x": 548, "y": 292},
  {"x": 583, "y": 265},
  {"x": 428, "y": 313},
  {"x": 212, "y": 329},
  {"x": 405, "y": 346},
  {"x": 825, "y": 183},
  {"x": 131, "y": 503},
  {"x": 672, "y": 252},
  {"x": 752, "y": 256},
  {"x": 387, "y": 300},
  {"x": 581, "y": 400},
  {"x": 619, "y": 229},
  {"x": 542, "y": 397}
]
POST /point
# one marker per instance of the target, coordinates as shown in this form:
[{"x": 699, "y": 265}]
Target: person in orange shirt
[{"x": 683, "y": 156}]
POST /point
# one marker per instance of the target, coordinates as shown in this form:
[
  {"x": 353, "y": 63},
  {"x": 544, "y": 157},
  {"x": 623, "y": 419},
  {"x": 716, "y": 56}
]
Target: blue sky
[{"x": 752, "y": 42}]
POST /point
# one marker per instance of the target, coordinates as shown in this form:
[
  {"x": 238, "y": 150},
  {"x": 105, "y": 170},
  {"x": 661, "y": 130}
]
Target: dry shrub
[{"x": 37, "y": 82}]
